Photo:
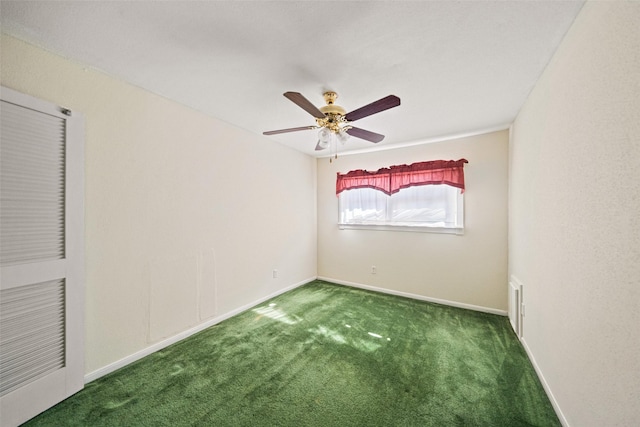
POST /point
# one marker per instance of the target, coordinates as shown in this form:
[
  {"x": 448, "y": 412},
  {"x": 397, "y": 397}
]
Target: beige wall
[
  {"x": 186, "y": 216},
  {"x": 574, "y": 238},
  {"x": 469, "y": 269}
]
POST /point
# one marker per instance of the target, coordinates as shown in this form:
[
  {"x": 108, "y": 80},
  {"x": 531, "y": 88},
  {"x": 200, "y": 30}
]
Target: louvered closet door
[{"x": 41, "y": 256}]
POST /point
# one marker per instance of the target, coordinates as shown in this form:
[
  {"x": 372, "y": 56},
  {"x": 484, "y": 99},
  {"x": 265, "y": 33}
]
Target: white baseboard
[
  {"x": 545, "y": 385},
  {"x": 418, "y": 297},
  {"x": 182, "y": 335}
]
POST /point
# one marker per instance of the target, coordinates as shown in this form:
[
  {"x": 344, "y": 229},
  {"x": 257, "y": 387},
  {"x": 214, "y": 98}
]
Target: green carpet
[{"x": 325, "y": 355}]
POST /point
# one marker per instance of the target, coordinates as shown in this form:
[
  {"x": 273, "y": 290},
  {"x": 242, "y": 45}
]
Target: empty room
[{"x": 320, "y": 213}]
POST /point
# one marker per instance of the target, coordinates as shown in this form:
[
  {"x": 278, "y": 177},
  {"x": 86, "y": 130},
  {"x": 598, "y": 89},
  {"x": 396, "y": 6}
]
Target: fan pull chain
[
  {"x": 333, "y": 149},
  {"x": 332, "y": 144}
]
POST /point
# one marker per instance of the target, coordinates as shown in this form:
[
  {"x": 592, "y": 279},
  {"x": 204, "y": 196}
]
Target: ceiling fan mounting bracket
[{"x": 330, "y": 97}]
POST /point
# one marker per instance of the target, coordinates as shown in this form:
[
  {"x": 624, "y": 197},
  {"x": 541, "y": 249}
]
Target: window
[{"x": 425, "y": 196}]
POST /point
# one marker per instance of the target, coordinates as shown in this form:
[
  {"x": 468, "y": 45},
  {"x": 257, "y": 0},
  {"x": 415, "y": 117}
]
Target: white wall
[
  {"x": 469, "y": 269},
  {"x": 574, "y": 237},
  {"x": 186, "y": 216}
]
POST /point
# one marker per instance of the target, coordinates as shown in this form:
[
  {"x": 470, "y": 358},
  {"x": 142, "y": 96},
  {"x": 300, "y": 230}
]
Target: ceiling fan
[{"x": 332, "y": 119}]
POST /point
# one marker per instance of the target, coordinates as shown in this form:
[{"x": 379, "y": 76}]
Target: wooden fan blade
[
  {"x": 274, "y": 132},
  {"x": 373, "y": 108},
  {"x": 365, "y": 134},
  {"x": 304, "y": 103}
]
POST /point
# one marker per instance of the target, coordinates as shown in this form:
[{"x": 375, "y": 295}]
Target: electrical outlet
[
  {"x": 374, "y": 269},
  {"x": 275, "y": 274}
]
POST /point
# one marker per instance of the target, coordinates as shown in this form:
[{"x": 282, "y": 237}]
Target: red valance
[{"x": 392, "y": 179}]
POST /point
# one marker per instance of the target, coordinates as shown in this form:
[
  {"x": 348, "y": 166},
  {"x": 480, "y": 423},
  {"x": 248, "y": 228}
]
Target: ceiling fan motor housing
[
  {"x": 334, "y": 114},
  {"x": 331, "y": 107}
]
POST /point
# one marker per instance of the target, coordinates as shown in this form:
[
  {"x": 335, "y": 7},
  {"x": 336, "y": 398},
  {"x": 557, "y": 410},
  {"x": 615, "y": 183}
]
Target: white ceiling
[{"x": 458, "y": 67}]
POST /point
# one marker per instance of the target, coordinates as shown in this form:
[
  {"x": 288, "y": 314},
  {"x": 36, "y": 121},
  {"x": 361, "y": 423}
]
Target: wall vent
[{"x": 515, "y": 305}]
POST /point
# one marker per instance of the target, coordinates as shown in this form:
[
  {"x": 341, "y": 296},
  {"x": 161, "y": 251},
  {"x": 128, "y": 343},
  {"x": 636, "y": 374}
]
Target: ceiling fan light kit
[{"x": 334, "y": 122}]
